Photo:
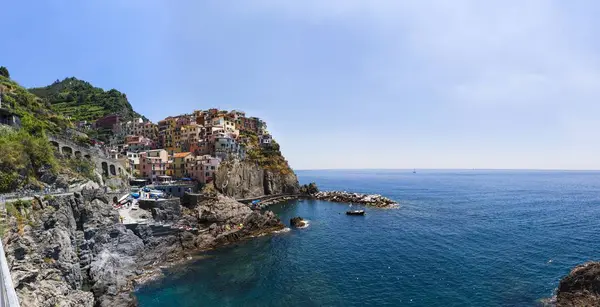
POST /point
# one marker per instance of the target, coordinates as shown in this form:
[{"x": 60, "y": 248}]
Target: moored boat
[{"x": 355, "y": 212}]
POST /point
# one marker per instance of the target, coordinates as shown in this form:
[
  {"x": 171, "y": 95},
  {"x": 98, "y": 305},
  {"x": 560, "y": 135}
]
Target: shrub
[
  {"x": 83, "y": 167},
  {"x": 23, "y": 155},
  {"x": 4, "y": 72}
]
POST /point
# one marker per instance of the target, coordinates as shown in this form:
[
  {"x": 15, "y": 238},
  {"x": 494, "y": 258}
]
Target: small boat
[
  {"x": 414, "y": 171},
  {"x": 355, "y": 212}
]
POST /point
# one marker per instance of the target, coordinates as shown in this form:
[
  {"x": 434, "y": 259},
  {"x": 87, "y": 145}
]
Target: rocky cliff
[
  {"x": 243, "y": 179},
  {"x": 581, "y": 287},
  {"x": 72, "y": 251}
]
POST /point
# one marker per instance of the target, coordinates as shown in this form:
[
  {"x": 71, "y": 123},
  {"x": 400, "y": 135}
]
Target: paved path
[
  {"x": 27, "y": 198},
  {"x": 266, "y": 197}
]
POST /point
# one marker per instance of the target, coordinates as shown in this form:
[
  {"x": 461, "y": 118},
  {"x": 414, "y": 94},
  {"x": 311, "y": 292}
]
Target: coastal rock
[
  {"x": 72, "y": 250},
  {"x": 222, "y": 210},
  {"x": 89, "y": 185},
  {"x": 581, "y": 287},
  {"x": 309, "y": 189},
  {"x": 297, "y": 222},
  {"x": 241, "y": 179},
  {"x": 280, "y": 183},
  {"x": 364, "y": 199}
]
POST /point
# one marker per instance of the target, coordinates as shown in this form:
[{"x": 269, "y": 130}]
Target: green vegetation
[
  {"x": 19, "y": 209},
  {"x": 26, "y": 153},
  {"x": 23, "y": 156},
  {"x": 4, "y": 72},
  {"x": 35, "y": 114},
  {"x": 268, "y": 157},
  {"x": 82, "y": 101},
  {"x": 83, "y": 167},
  {"x": 82, "y": 140}
]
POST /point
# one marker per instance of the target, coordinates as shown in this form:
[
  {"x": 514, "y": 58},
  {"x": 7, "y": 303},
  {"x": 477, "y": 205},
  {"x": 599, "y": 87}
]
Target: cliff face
[
  {"x": 581, "y": 287},
  {"x": 72, "y": 251},
  {"x": 241, "y": 179}
]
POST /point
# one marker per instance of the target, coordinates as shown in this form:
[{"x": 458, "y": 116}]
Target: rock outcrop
[
  {"x": 241, "y": 179},
  {"x": 72, "y": 251},
  {"x": 581, "y": 287},
  {"x": 297, "y": 222},
  {"x": 357, "y": 198}
]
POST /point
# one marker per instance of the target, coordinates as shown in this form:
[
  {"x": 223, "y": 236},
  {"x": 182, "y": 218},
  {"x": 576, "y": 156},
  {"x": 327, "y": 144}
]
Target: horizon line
[{"x": 447, "y": 169}]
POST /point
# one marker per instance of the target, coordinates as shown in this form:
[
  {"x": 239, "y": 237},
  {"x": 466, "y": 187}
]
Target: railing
[
  {"x": 8, "y": 296},
  {"x": 25, "y": 194}
]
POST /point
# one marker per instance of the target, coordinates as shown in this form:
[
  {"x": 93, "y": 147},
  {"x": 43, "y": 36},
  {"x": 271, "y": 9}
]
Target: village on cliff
[{"x": 186, "y": 147}]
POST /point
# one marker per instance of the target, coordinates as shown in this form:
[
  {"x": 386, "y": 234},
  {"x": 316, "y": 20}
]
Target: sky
[{"x": 342, "y": 83}]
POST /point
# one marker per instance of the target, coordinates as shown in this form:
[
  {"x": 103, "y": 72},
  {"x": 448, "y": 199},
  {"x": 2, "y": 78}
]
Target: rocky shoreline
[
  {"x": 375, "y": 200},
  {"x": 72, "y": 250},
  {"x": 580, "y": 288}
]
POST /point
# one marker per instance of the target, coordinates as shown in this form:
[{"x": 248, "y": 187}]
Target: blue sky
[{"x": 342, "y": 83}]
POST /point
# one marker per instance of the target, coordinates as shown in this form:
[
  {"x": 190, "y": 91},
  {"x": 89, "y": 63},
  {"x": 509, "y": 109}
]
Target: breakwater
[{"x": 373, "y": 200}]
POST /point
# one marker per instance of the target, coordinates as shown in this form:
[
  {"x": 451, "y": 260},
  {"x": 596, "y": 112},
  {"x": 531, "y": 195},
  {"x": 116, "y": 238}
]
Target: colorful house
[
  {"x": 182, "y": 164},
  {"x": 225, "y": 146},
  {"x": 205, "y": 168},
  {"x": 153, "y": 163}
]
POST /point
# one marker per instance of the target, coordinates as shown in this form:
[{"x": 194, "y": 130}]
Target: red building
[{"x": 108, "y": 121}]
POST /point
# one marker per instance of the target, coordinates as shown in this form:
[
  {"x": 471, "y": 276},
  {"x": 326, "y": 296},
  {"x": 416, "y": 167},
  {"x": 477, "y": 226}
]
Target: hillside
[
  {"x": 80, "y": 100},
  {"x": 27, "y": 158},
  {"x": 35, "y": 113}
]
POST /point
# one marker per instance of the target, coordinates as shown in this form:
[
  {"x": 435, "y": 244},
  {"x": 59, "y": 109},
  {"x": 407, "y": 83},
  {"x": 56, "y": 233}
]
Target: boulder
[{"x": 297, "y": 222}]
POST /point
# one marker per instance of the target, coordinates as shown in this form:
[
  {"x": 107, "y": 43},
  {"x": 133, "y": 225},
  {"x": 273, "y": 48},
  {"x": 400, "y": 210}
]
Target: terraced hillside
[{"x": 80, "y": 100}]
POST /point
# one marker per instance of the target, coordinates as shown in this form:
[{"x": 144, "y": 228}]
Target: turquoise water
[{"x": 460, "y": 238}]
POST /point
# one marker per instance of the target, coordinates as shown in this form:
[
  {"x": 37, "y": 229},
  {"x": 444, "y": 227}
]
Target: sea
[{"x": 458, "y": 238}]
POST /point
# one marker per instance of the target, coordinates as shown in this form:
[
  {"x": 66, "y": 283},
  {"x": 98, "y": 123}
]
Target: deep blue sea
[{"x": 459, "y": 238}]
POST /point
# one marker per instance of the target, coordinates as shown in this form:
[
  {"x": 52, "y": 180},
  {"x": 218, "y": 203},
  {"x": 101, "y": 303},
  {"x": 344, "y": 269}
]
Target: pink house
[
  {"x": 153, "y": 163},
  {"x": 205, "y": 168}
]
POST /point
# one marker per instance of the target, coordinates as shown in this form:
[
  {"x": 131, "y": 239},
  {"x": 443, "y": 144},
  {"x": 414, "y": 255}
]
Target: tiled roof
[{"x": 181, "y": 154}]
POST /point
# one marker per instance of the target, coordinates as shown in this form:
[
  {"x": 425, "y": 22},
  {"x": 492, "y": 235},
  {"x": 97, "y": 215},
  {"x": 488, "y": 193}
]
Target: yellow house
[
  {"x": 170, "y": 171},
  {"x": 182, "y": 162}
]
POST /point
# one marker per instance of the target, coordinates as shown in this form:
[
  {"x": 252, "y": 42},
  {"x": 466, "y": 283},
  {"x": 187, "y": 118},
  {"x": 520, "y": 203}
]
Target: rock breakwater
[{"x": 372, "y": 200}]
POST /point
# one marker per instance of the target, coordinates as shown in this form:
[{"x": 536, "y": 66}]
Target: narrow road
[{"x": 27, "y": 198}]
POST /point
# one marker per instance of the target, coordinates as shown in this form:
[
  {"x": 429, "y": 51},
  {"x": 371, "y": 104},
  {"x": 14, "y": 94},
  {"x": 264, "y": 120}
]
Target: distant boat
[
  {"x": 355, "y": 212},
  {"x": 414, "y": 171}
]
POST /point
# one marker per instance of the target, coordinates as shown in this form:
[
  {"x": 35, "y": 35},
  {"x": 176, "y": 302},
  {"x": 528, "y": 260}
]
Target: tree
[{"x": 4, "y": 72}]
